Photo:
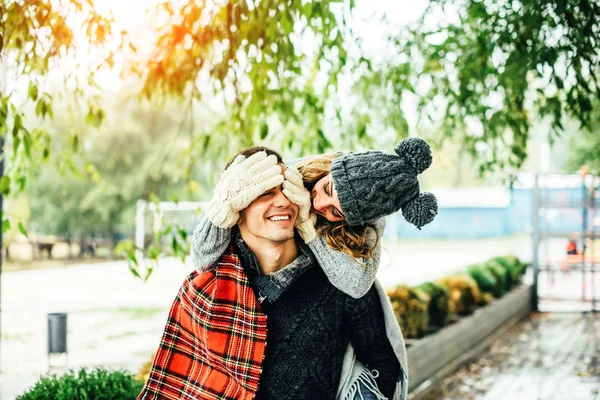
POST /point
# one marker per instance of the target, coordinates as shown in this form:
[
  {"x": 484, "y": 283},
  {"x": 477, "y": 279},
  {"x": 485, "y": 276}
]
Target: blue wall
[
  {"x": 515, "y": 218},
  {"x": 467, "y": 222}
]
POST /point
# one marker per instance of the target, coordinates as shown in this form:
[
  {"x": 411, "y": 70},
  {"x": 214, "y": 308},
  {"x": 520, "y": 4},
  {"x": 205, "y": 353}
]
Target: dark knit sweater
[{"x": 309, "y": 327}]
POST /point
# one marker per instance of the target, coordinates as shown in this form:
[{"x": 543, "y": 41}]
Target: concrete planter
[{"x": 434, "y": 357}]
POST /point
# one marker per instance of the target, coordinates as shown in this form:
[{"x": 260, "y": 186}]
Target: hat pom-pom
[
  {"x": 417, "y": 151},
  {"x": 421, "y": 210}
]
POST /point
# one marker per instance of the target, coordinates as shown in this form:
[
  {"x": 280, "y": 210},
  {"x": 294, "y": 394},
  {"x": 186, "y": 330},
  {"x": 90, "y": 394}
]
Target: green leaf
[
  {"x": 154, "y": 198},
  {"x": 132, "y": 268},
  {"x": 17, "y": 125},
  {"x": 5, "y": 225},
  {"x": 22, "y": 229},
  {"x": 307, "y": 10},
  {"x": 39, "y": 107},
  {"x": 16, "y": 143},
  {"x": 27, "y": 143},
  {"x": 124, "y": 246},
  {"x": 75, "y": 142},
  {"x": 264, "y": 131},
  {"x": 22, "y": 182},
  {"x": 362, "y": 131},
  {"x": 33, "y": 92},
  {"x": 5, "y": 185},
  {"x": 154, "y": 252},
  {"x": 94, "y": 117},
  {"x": 49, "y": 110},
  {"x": 130, "y": 254},
  {"x": 148, "y": 273},
  {"x": 286, "y": 23}
]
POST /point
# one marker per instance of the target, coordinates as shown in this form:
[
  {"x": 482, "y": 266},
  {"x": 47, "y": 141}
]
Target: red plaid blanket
[{"x": 214, "y": 341}]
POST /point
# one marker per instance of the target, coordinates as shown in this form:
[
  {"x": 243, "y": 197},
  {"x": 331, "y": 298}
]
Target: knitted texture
[
  {"x": 344, "y": 272},
  {"x": 240, "y": 184},
  {"x": 294, "y": 190},
  {"x": 373, "y": 184},
  {"x": 209, "y": 242},
  {"x": 271, "y": 287},
  {"x": 309, "y": 328}
]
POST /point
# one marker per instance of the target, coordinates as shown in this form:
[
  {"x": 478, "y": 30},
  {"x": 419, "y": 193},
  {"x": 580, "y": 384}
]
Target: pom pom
[
  {"x": 417, "y": 151},
  {"x": 422, "y": 210}
]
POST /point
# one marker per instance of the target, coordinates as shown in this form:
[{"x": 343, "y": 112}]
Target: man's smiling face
[{"x": 270, "y": 217}]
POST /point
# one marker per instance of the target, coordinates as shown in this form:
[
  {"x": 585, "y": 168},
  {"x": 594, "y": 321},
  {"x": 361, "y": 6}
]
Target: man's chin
[{"x": 283, "y": 236}]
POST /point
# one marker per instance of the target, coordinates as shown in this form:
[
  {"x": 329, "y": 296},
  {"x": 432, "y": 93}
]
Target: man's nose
[{"x": 280, "y": 200}]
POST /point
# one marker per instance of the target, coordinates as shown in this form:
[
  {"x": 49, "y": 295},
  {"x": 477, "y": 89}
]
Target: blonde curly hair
[{"x": 353, "y": 240}]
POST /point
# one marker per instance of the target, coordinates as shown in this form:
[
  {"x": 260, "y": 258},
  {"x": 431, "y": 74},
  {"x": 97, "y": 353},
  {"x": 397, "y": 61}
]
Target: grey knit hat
[{"x": 373, "y": 184}]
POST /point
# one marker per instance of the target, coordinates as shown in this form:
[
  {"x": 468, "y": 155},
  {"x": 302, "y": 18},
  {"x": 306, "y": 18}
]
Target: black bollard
[{"x": 57, "y": 334}]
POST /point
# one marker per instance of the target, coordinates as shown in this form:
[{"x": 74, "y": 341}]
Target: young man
[{"x": 266, "y": 323}]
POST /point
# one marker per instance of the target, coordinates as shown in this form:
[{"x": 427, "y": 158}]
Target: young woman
[{"x": 350, "y": 194}]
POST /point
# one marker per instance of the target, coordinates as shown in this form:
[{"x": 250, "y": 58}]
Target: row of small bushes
[
  {"x": 432, "y": 305},
  {"x": 96, "y": 384}
]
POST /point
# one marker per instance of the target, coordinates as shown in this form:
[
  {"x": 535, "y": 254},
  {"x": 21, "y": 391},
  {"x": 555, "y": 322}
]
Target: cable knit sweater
[{"x": 310, "y": 324}]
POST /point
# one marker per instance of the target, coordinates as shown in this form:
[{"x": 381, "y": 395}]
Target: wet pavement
[{"x": 548, "y": 356}]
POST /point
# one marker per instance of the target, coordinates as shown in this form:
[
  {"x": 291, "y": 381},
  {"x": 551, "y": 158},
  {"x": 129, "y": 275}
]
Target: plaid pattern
[{"x": 214, "y": 341}]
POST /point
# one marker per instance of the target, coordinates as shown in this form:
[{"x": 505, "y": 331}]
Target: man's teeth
[{"x": 280, "y": 218}]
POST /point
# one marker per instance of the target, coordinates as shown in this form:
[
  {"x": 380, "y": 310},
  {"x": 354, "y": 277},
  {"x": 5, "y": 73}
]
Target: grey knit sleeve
[
  {"x": 209, "y": 242},
  {"x": 353, "y": 277}
]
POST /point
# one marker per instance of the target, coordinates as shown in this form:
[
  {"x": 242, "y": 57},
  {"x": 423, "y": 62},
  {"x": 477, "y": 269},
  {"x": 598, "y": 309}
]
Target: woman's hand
[
  {"x": 240, "y": 184},
  {"x": 294, "y": 190}
]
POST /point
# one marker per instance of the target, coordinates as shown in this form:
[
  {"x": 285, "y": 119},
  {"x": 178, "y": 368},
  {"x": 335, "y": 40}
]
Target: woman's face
[{"x": 325, "y": 199}]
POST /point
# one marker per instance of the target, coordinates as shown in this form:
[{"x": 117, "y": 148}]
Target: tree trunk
[
  {"x": 81, "y": 246},
  {"x": 70, "y": 244}
]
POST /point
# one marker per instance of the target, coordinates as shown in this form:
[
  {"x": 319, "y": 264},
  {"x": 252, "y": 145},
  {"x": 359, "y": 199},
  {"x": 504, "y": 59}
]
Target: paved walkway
[{"x": 553, "y": 356}]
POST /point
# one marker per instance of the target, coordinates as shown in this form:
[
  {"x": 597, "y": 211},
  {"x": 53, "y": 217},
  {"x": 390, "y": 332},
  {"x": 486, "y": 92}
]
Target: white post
[{"x": 140, "y": 226}]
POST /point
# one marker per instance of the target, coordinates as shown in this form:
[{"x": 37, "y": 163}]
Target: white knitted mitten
[
  {"x": 306, "y": 228},
  {"x": 294, "y": 190},
  {"x": 240, "y": 184}
]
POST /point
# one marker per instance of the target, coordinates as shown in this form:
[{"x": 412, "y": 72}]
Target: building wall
[{"x": 514, "y": 218}]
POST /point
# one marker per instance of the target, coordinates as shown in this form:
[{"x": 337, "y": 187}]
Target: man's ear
[{"x": 240, "y": 220}]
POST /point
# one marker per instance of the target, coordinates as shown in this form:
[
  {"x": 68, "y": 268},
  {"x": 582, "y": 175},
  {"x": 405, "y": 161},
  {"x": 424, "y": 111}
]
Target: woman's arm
[
  {"x": 209, "y": 242},
  {"x": 351, "y": 276}
]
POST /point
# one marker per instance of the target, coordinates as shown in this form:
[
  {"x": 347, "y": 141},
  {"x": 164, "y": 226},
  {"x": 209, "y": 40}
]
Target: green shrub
[
  {"x": 518, "y": 266},
  {"x": 514, "y": 267},
  {"x": 486, "y": 281},
  {"x": 464, "y": 293},
  {"x": 97, "y": 384},
  {"x": 438, "y": 302},
  {"x": 410, "y": 308},
  {"x": 512, "y": 271},
  {"x": 501, "y": 276}
]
